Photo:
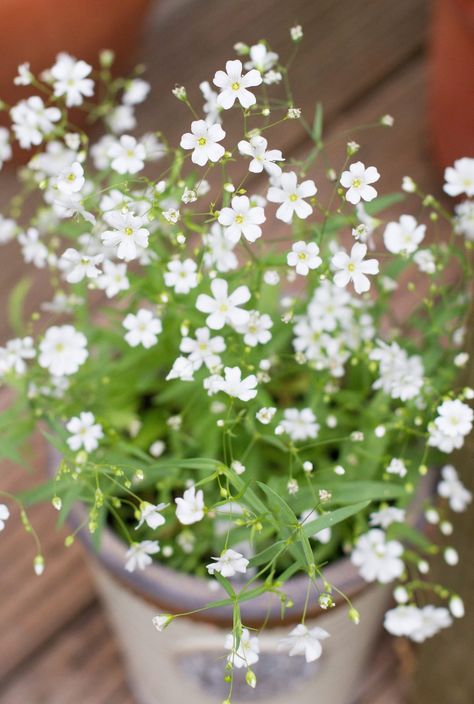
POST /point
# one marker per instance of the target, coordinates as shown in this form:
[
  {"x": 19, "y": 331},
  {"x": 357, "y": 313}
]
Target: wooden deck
[{"x": 361, "y": 59}]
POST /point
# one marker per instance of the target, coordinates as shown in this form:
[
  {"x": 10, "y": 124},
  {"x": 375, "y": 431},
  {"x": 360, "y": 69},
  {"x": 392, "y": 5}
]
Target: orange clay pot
[{"x": 451, "y": 80}]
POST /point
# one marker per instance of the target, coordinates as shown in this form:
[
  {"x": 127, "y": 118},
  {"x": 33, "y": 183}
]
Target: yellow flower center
[
  {"x": 71, "y": 177},
  {"x": 235, "y": 86},
  {"x": 128, "y": 231},
  {"x": 351, "y": 267},
  {"x": 356, "y": 183},
  {"x": 293, "y": 197},
  {"x": 302, "y": 256},
  {"x": 59, "y": 347},
  {"x": 202, "y": 141},
  {"x": 239, "y": 219}
]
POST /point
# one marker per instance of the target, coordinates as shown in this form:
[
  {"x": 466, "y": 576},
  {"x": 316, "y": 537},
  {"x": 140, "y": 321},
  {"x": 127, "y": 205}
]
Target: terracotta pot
[
  {"x": 185, "y": 662},
  {"x": 451, "y": 80}
]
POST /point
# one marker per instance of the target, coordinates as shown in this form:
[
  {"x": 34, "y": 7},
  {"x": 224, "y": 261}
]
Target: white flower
[
  {"x": 62, "y": 350},
  {"x": 14, "y": 354},
  {"x": 464, "y": 219},
  {"x": 32, "y": 120},
  {"x": 257, "y": 329},
  {"x": 182, "y": 369},
  {"x": 324, "y": 535},
  {"x": 8, "y": 229},
  {"x": 260, "y": 58},
  {"x": 181, "y": 275},
  {"x": 296, "y": 33},
  {"x": 425, "y": 261},
  {"x": 71, "y": 179},
  {"x": 78, "y": 266},
  {"x": 219, "y": 250},
  {"x": 403, "y": 620},
  {"x": 460, "y": 178},
  {"x": 228, "y": 563},
  {"x": 444, "y": 443},
  {"x": 300, "y": 425},
  {"x": 357, "y": 181},
  {"x": 70, "y": 79},
  {"x": 85, "y": 432},
  {"x": 261, "y": 157},
  {"x": 222, "y": 307},
  {"x": 233, "y": 384},
  {"x": 291, "y": 196},
  {"x": 5, "y": 148},
  {"x": 121, "y": 119},
  {"x": 211, "y": 107},
  {"x": 401, "y": 376},
  {"x": 113, "y": 279},
  {"x": 404, "y": 235},
  {"x": 138, "y": 555},
  {"x": 4, "y": 515},
  {"x": 127, "y": 156},
  {"x": 242, "y": 218},
  {"x": 454, "y": 418},
  {"x": 354, "y": 268},
  {"x": 24, "y": 76},
  {"x": 136, "y": 92},
  {"x": 151, "y": 515},
  {"x": 204, "y": 349},
  {"x": 143, "y": 328},
  {"x": 203, "y": 140},
  {"x": 247, "y": 653},
  {"x": 386, "y": 516},
  {"x": 233, "y": 85},
  {"x": 417, "y": 624},
  {"x": 397, "y": 466},
  {"x": 161, "y": 621},
  {"x": 377, "y": 558},
  {"x": 265, "y": 415},
  {"x": 304, "y": 256},
  {"x": 190, "y": 507},
  {"x": 127, "y": 234},
  {"x": 451, "y": 488},
  {"x": 237, "y": 466},
  {"x": 304, "y": 641}
]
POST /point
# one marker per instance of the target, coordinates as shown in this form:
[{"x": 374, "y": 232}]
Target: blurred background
[{"x": 413, "y": 59}]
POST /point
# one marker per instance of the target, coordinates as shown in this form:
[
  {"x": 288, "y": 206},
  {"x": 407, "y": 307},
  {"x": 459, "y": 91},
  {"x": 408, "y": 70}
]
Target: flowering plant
[{"x": 233, "y": 403}]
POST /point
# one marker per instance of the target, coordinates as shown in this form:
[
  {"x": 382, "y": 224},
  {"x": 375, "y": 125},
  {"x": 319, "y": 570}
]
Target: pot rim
[{"x": 175, "y": 592}]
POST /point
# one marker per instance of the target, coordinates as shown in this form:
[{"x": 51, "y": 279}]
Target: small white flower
[
  {"x": 203, "y": 140},
  {"x": 404, "y": 235},
  {"x": 246, "y": 654},
  {"x": 4, "y": 515},
  {"x": 459, "y": 178},
  {"x": 14, "y": 354},
  {"x": 32, "y": 120},
  {"x": 300, "y": 424},
  {"x": 398, "y": 467},
  {"x": 261, "y": 58},
  {"x": 136, "y": 92},
  {"x": 234, "y": 86},
  {"x": 304, "y": 641},
  {"x": 151, "y": 515},
  {"x": 408, "y": 185},
  {"x": 403, "y": 620},
  {"x": 181, "y": 275},
  {"x": 354, "y": 268},
  {"x": 5, "y": 148},
  {"x": 224, "y": 307},
  {"x": 161, "y": 621},
  {"x": 357, "y": 181},
  {"x": 451, "y": 488},
  {"x": 8, "y": 228},
  {"x": 62, "y": 350},
  {"x": 377, "y": 558},
  {"x": 204, "y": 349},
  {"x": 143, "y": 328},
  {"x": 454, "y": 418},
  {"x": 228, "y": 564},
  {"x": 182, "y": 369},
  {"x": 71, "y": 180},
  {"x": 242, "y": 218},
  {"x": 138, "y": 555},
  {"x": 233, "y": 384},
  {"x": 291, "y": 195},
  {"x": 262, "y": 158},
  {"x": 127, "y": 156},
  {"x": 296, "y": 33},
  {"x": 265, "y": 415},
  {"x": 464, "y": 219},
  {"x": 127, "y": 235},
  {"x": 190, "y": 507},
  {"x": 425, "y": 261},
  {"x": 85, "y": 432},
  {"x": 70, "y": 79},
  {"x": 237, "y": 467},
  {"x": 113, "y": 279},
  {"x": 386, "y": 516},
  {"x": 304, "y": 256},
  {"x": 257, "y": 329},
  {"x": 78, "y": 266},
  {"x": 211, "y": 107},
  {"x": 24, "y": 76}
]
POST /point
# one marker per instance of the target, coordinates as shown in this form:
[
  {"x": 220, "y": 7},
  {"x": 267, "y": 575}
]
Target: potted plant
[{"x": 240, "y": 424}]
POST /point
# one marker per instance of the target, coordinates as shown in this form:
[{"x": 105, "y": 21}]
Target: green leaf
[
  {"x": 317, "y": 130},
  {"x": 16, "y": 304},
  {"x": 329, "y": 520}
]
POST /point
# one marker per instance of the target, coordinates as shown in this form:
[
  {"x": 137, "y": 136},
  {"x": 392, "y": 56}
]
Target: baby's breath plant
[{"x": 244, "y": 379}]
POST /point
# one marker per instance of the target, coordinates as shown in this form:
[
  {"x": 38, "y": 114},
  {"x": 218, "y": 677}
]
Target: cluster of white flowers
[{"x": 244, "y": 330}]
